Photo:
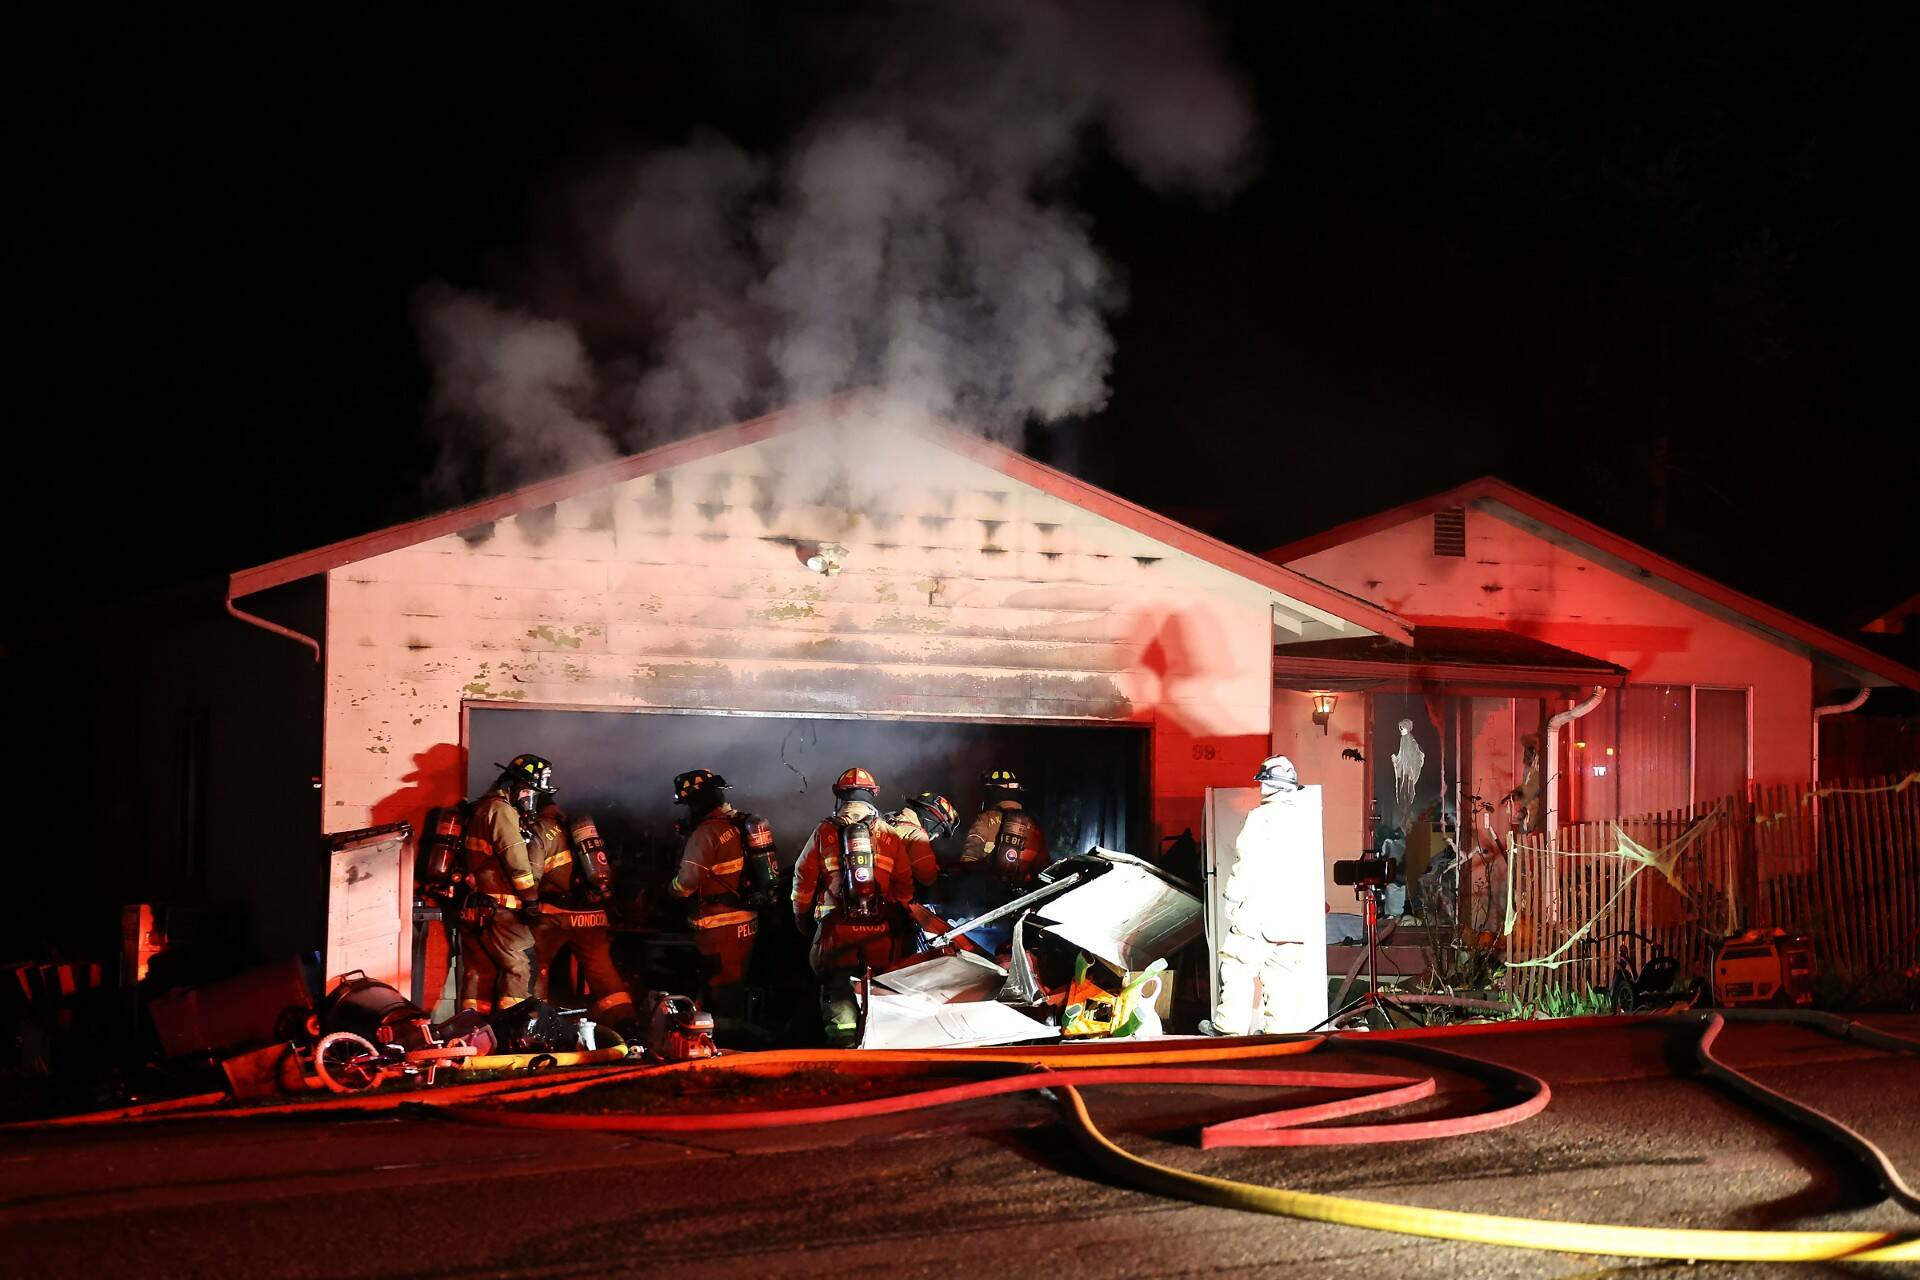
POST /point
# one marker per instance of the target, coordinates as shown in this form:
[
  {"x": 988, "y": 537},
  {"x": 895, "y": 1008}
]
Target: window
[
  {"x": 1680, "y": 745},
  {"x": 1655, "y": 754},
  {"x": 1719, "y": 744}
]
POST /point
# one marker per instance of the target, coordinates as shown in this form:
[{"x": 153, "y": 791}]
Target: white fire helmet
[{"x": 1277, "y": 774}]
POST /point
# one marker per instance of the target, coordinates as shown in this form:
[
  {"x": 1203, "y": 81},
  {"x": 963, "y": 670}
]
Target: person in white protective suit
[{"x": 1273, "y": 971}]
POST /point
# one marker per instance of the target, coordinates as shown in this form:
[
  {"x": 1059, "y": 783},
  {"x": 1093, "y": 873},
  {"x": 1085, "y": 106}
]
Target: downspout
[
  {"x": 1552, "y": 762},
  {"x": 1833, "y": 709},
  {"x": 1836, "y": 709},
  {"x": 274, "y": 627}
]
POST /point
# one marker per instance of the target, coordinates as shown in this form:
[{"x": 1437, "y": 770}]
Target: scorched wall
[{"x": 964, "y": 595}]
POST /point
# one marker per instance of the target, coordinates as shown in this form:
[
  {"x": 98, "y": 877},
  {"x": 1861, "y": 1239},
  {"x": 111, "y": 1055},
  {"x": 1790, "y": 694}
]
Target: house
[
  {"x": 836, "y": 585},
  {"x": 1648, "y": 687}
]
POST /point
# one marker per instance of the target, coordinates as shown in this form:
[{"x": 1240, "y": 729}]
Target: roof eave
[
  {"x": 1277, "y": 578},
  {"x": 246, "y": 582},
  {"x": 1491, "y": 492},
  {"x": 1344, "y": 611}
]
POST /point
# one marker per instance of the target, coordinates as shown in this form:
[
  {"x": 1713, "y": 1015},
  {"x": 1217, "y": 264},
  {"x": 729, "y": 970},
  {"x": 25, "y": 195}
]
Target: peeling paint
[
  {"x": 550, "y": 636},
  {"x": 912, "y": 622},
  {"x": 867, "y": 689},
  {"x": 787, "y": 611}
]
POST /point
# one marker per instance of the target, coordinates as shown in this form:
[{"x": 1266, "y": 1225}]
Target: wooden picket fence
[{"x": 1842, "y": 865}]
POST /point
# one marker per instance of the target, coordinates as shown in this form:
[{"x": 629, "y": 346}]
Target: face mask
[{"x": 849, "y": 811}]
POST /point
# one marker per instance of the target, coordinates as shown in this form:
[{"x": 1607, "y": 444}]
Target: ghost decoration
[{"x": 1408, "y": 761}]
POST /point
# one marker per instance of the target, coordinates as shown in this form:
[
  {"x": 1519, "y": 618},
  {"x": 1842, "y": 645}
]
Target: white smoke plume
[
  {"x": 520, "y": 389},
  {"x": 915, "y": 238}
]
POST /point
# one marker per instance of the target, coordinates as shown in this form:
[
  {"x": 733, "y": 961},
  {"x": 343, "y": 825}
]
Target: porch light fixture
[{"x": 1323, "y": 704}]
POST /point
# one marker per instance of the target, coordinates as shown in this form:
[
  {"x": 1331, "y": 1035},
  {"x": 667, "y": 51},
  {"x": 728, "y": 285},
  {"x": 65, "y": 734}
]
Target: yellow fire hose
[
  {"x": 1684, "y": 1244},
  {"x": 1486, "y": 1228},
  {"x": 1681, "y": 1244}
]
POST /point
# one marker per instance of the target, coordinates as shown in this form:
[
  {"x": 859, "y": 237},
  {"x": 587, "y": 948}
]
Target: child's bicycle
[{"x": 1645, "y": 988}]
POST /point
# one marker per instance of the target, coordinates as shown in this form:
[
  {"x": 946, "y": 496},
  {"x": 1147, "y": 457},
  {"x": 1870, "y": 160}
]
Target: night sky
[{"x": 1653, "y": 264}]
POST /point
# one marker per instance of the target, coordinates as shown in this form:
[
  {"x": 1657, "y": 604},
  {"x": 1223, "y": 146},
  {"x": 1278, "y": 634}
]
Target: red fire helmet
[{"x": 855, "y": 780}]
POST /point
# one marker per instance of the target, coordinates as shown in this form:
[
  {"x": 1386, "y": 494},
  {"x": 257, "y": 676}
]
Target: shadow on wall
[
  {"x": 1188, "y": 656},
  {"x": 436, "y": 780},
  {"x": 1211, "y": 715}
]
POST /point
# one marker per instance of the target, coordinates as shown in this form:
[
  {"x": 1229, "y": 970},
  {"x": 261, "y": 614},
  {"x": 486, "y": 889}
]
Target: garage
[
  {"x": 1087, "y": 783},
  {"x": 851, "y": 582}
]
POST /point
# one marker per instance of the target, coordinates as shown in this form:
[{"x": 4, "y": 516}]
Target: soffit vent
[{"x": 1450, "y": 532}]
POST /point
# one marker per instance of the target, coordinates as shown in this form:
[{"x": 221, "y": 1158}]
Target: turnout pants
[
  {"x": 1268, "y": 987},
  {"x": 842, "y": 951},
  {"x": 496, "y": 963},
  {"x": 610, "y": 1001},
  {"x": 724, "y": 940}
]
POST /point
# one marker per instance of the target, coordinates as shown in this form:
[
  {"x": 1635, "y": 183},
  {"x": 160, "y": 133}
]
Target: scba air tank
[
  {"x": 859, "y": 881},
  {"x": 756, "y": 845},
  {"x": 590, "y": 856},
  {"x": 1017, "y": 847},
  {"x": 441, "y": 854}
]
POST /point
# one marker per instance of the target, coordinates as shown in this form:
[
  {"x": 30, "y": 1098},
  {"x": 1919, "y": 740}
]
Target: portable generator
[{"x": 1764, "y": 966}]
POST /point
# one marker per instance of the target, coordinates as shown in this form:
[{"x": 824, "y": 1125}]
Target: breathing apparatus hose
[{"x": 1065, "y": 1069}]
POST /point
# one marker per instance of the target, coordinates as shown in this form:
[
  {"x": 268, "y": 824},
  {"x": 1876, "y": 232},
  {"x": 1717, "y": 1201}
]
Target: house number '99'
[{"x": 1202, "y": 751}]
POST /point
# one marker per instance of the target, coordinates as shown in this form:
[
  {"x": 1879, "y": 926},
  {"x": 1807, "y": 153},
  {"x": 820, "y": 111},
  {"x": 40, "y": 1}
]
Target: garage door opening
[{"x": 1087, "y": 783}]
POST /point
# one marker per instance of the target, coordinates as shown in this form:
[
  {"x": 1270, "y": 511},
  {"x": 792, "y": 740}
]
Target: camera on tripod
[{"x": 1371, "y": 870}]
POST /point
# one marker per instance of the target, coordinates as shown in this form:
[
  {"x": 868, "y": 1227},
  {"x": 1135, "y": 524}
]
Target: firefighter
[
  {"x": 711, "y": 873},
  {"x": 849, "y": 885},
  {"x": 505, "y": 887},
  {"x": 1272, "y": 960},
  {"x": 574, "y": 888},
  {"x": 920, "y": 821},
  {"x": 1013, "y": 848}
]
